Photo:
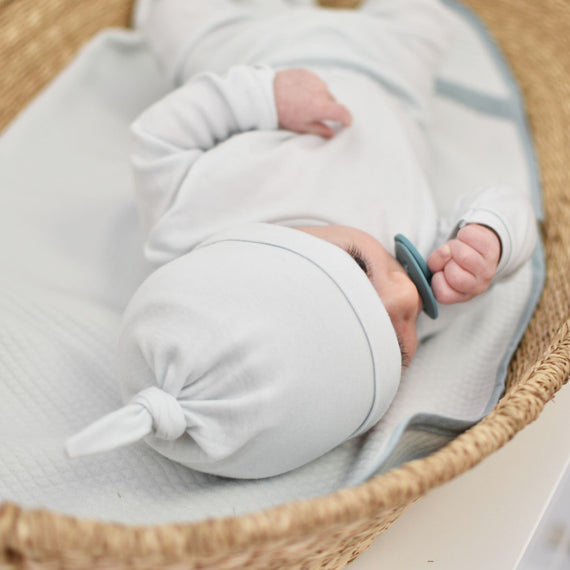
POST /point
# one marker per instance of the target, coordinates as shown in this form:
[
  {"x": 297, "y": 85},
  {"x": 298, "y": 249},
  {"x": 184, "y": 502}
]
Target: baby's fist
[
  {"x": 304, "y": 103},
  {"x": 465, "y": 266}
]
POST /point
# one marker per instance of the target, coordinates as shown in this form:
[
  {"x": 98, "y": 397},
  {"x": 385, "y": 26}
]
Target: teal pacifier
[{"x": 418, "y": 271}]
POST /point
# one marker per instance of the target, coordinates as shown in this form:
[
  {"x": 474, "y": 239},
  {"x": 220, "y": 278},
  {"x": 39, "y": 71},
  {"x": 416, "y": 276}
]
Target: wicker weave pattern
[
  {"x": 36, "y": 40},
  {"x": 346, "y": 4}
]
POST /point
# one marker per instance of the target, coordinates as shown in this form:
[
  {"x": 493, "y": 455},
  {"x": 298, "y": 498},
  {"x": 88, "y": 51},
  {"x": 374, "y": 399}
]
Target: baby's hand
[
  {"x": 304, "y": 102},
  {"x": 464, "y": 267}
]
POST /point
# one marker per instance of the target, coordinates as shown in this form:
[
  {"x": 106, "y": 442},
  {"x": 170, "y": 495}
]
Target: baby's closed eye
[{"x": 354, "y": 251}]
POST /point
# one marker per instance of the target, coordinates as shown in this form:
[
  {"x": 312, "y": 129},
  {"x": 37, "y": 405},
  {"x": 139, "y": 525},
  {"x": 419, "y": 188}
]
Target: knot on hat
[{"x": 168, "y": 421}]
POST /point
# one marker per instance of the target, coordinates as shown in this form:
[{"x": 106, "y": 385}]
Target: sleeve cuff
[
  {"x": 268, "y": 115},
  {"x": 250, "y": 89}
]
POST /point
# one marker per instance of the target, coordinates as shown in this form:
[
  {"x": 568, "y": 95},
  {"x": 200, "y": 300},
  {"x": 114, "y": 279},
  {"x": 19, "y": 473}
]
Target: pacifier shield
[{"x": 418, "y": 271}]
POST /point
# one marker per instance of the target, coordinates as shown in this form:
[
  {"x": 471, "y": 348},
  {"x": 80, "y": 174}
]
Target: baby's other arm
[{"x": 494, "y": 234}]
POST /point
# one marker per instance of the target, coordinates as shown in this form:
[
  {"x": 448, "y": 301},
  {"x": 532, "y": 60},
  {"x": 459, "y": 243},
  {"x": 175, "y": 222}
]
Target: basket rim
[{"x": 385, "y": 491}]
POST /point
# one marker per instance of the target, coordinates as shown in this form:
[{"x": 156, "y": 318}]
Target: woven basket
[{"x": 37, "y": 38}]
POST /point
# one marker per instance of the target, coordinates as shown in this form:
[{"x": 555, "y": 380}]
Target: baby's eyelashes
[
  {"x": 406, "y": 359},
  {"x": 358, "y": 256}
]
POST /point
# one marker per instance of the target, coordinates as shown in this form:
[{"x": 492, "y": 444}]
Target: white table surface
[{"x": 485, "y": 518}]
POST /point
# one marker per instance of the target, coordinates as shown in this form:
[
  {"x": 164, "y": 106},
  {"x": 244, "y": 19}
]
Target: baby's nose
[{"x": 409, "y": 300}]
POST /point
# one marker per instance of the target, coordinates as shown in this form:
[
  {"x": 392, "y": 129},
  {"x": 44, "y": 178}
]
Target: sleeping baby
[{"x": 271, "y": 183}]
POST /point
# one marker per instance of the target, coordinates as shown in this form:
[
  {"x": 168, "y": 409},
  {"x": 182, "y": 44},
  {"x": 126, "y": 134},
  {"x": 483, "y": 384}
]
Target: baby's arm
[
  {"x": 171, "y": 136},
  {"x": 495, "y": 235}
]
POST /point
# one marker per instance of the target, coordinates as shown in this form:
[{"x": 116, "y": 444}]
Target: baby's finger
[
  {"x": 482, "y": 239},
  {"x": 469, "y": 259},
  {"x": 444, "y": 292},
  {"x": 437, "y": 260},
  {"x": 460, "y": 279},
  {"x": 320, "y": 129},
  {"x": 334, "y": 111}
]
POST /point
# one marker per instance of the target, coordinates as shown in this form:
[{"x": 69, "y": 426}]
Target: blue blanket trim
[
  {"x": 476, "y": 100},
  {"x": 512, "y": 109}
]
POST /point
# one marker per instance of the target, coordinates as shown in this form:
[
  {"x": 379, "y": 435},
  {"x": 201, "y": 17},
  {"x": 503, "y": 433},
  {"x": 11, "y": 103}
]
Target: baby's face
[{"x": 397, "y": 291}]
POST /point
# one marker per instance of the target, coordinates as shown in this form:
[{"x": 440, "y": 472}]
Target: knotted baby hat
[{"x": 257, "y": 352}]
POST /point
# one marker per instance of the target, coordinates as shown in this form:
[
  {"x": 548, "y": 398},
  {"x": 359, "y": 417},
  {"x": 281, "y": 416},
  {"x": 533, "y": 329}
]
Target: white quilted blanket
[{"x": 70, "y": 258}]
